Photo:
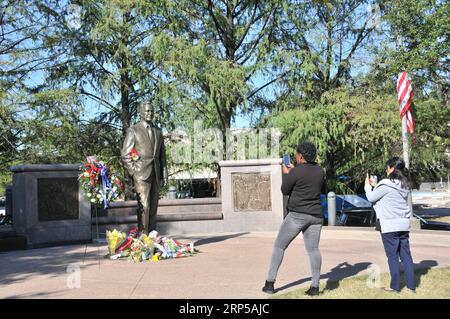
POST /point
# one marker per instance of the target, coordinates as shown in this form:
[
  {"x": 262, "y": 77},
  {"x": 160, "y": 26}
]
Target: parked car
[
  {"x": 351, "y": 210},
  {"x": 356, "y": 210}
]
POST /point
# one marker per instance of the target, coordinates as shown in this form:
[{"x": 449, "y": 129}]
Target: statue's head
[{"x": 146, "y": 110}]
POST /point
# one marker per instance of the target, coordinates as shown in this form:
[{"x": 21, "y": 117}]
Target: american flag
[{"x": 405, "y": 94}]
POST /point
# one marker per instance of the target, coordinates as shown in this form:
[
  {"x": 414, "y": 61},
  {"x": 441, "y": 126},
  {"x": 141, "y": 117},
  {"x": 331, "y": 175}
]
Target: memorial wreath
[{"x": 100, "y": 183}]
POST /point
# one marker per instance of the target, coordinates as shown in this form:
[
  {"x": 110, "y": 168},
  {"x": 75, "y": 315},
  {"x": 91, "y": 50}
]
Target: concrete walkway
[{"x": 229, "y": 266}]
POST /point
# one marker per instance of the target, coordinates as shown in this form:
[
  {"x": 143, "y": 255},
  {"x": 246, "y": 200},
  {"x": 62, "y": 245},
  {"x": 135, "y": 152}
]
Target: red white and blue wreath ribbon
[{"x": 106, "y": 183}]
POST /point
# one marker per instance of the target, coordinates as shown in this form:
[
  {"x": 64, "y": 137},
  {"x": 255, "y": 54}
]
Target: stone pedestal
[
  {"x": 251, "y": 195},
  {"x": 48, "y": 205}
]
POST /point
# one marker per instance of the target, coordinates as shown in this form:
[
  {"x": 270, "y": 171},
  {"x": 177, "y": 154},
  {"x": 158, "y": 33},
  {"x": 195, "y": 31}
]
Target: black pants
[{"x": 396, "y": 244}]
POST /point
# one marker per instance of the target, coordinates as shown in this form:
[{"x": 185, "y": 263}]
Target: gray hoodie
[{"x": 391, "y": 205}]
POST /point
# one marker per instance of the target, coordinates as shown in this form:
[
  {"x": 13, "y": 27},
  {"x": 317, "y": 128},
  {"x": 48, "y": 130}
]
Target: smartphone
[
  {"x": 373, "y": 177},
  {"x": 286, "y": 160}
]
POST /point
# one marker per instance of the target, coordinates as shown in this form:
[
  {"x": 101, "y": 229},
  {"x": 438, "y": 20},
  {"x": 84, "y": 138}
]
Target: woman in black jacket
[{"x": 304, "y": 184}]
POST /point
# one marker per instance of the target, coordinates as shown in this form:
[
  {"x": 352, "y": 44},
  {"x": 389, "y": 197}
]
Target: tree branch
[
  {"x": 279, "y": 77},
  {"x": 220, "y": 31},
  {"x": 99, "y": 99}
]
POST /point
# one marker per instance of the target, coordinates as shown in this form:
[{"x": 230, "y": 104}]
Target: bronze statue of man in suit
[{"x": 148, "y": 167}]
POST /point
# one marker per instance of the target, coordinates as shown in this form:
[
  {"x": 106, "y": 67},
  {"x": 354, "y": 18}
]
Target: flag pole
[
  {"x": 406, "y": 158},
  {"x": 405, "y": 142},
  {"x": 405, "y": 135}
]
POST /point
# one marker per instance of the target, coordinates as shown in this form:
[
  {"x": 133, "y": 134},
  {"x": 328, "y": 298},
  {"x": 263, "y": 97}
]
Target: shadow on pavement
[
  {"x": 341, "y": 271},
  {"x": 37, "y": 295},
  {"x": 19, "y": 266},
  {"x": 346, "y": 270},
  {"x": 216, "y": 239}
]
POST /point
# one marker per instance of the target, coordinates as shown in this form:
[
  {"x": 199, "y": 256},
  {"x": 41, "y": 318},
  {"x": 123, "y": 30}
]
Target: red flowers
[
  {"x": 100, "y": 183},
  {"x": 127, "y": 244},
  {"x": 134, "y": 155},
  {"x": 93, "y": 171}
]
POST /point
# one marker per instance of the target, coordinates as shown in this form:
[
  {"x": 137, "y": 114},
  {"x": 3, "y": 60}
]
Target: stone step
[
  {"x": 165, "y": 217},
  {"x": 6, "y": 231},
  {"x": 13, "y": 243},
  {"x": 131, "y": 211},
  {"x": 185, "y": 208}
]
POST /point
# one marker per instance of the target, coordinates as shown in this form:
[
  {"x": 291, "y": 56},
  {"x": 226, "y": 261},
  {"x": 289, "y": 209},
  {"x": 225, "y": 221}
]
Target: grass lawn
[{"x": 431, "y": 284}]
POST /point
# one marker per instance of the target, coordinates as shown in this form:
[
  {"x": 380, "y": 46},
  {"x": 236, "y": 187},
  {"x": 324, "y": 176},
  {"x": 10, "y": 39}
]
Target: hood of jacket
[{"x": 396, "y": 184}]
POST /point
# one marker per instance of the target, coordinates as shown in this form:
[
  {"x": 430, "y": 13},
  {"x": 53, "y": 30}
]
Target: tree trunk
[
  {"x": 226, "y": 120},
  {"x": 125, "y": 85},
  {"x": 126, "y": 120},
  {"x": 329, "y": 46}
]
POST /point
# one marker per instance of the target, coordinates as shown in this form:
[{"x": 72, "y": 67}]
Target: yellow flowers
[
  {"x": 147, "y": 240},
  {"x": 115, "y": 238}
]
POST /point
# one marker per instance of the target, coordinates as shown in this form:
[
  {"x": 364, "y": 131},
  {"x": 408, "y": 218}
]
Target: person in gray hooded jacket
[{"x": 390, "y": 198}]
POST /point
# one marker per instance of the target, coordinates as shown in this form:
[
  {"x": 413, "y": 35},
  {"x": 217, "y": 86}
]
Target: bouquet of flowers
[
  {"x": 100, "y": 183},
  {"x": 142, "y": 249},
  {"x": 139, "y": 247},
  {"x": 115, "y": 240},
  {"x": 134, "y": 155},
  {"x": 171, "y": 248}
]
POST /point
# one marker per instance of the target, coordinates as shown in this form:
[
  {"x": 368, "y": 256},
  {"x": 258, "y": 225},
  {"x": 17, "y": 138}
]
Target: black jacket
[{"x": 304, "y": 184}]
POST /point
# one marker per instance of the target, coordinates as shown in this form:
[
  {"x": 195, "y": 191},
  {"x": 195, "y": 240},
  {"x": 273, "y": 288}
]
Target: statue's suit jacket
[{"x": 149, "y": 144}]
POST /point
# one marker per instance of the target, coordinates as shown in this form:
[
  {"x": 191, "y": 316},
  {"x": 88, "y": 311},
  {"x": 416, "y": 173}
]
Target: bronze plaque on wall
[
  {"x": 251, "y": 192},
  {"x": 57, "y": 199}
]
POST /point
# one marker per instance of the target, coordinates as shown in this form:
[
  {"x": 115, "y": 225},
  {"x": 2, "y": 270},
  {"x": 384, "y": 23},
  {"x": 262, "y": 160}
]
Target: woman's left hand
[{"x": 370, "y": 181}]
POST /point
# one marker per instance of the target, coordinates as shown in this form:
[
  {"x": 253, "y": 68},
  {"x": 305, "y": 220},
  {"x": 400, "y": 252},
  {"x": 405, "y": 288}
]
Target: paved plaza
[{"x": 228, "y": 266}]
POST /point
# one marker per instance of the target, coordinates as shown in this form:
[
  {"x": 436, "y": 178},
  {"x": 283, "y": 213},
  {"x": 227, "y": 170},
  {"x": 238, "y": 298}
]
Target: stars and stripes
[{"x": 405, "y": 94}]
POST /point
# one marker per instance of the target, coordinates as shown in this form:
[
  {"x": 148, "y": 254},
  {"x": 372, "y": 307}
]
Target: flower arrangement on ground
[{"x": 138, "y": 247}]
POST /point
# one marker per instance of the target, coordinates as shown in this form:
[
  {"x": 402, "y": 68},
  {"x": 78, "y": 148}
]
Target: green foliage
[
  {"x": 355, "y": 132},
  {"x": 423, "y": 26},
  {"x": 68, "y": 90},
  {"x": 47, "y": 127},
  {"x": 321, "y": 43},
  {"x": 217, "y": 49},
  {"x": 430, "y": 158},
  {"x": 214, "y": 84},
  {"x": 418, "y": 42}
]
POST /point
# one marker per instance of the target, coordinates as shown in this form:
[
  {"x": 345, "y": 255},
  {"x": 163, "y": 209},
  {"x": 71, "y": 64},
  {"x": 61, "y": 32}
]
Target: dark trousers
[
  {"x": 148, "y": 196},
  {"x": 396, "y": 246}
]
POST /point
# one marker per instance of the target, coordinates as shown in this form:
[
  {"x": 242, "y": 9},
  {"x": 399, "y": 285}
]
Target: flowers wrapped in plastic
[
  {"x": 140, "y": 247},
  {"x": 115, "y": 239}
]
